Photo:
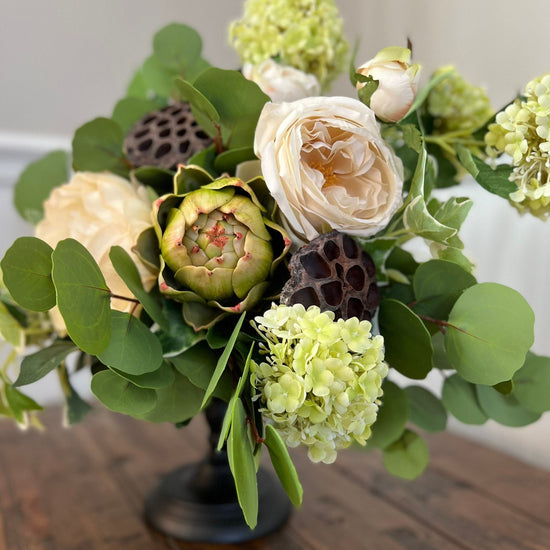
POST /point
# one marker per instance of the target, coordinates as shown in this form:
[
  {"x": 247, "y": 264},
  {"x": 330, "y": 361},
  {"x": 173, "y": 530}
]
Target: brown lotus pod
[
  {"x": 333, "y": 273},
  {"x": 165, "y": 138}
]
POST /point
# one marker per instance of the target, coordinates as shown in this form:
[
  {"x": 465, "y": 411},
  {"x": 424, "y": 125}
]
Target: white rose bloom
[
  {"x": 281, "y": 82},
  {"x": 327, "y": 167},
  {"x": 99, "y": 210},
  {"x": 397, "y": 82}
]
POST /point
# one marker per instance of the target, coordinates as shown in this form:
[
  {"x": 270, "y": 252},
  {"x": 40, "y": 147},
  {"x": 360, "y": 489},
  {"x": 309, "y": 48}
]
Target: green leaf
[
  {"x": 392, "y": 417},
  {"x": 453, "y": 212},
  {"x": 160, "y": 378},
  {"x": 199, "y": 364},
  {"x": 178, "y": 48},
  {"x": 82, "y": 296},
  {"x": 228, "y": 160},
  {"x": 505, "y": 388},
  {"x": 412, "y": 137},
  {"x": 138, "y": 87},
  {"x": 205, "y": 113},
  {"x": 120, "y": 395},
  {"x": 496, "y": 181},
  {"x": 489, "y": 333},
  {"x": 408, "y": 457},
  {"x": 243, "y": 467},
  {"x": 158, "y": 78},
  {"x": 159, "y": 179},
  {"x": 460, "y": 398},
  {"x": 419, "y": 221},
  {"x": 10, "y": 328},
  {"x": 504, "y": 409},
  {"x": 128, "y": 272},
  {"x": 133, "y": 348},
  {"x": 407, "y": 341},
  {"x": 130, "y": 109},
  {"x": 27, "y": 267},
  {"x": 282, "y": 463},
  {"x": 75, "y": 408},
  {"x": 425, "y": 409},
  {"x": 532, "y": 383},
  {"x": 19, "y": 403},
  {"x": 423, "y": 93},
  {"x": 370, "y": 86},
  {"x": 147, "y": 249},
  {"x": 239, "y": 111},
  {"x": 439, "y": 277},
  {"x": 36, "y": 183},
  {"x": 176, "y": 403},
  {"x": 180, "y": 336},
  {"x": 97, "y": 147},
  {"x": 402, "y": 261},
  {"x": 39, "y": 364},
  {"x": 230, "y": 411},
  {"x": 222, "y": 361}
]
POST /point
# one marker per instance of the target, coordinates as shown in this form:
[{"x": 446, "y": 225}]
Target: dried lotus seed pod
[
  {"x": 165, "y": 138},
  {"x": 334, "y": 273}
]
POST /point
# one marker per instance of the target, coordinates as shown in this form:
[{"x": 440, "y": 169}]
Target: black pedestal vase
[{"x": 198, "y": 502}]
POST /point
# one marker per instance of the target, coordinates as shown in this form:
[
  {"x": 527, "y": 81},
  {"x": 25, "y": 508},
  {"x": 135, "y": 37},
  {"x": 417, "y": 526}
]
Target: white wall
[{"x": 64, "y": 62}]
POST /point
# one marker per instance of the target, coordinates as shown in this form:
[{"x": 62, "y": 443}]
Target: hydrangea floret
[
  {"x": 522, "y": 130},
  {"x": 456, "y": 104},
  {"x": 320, "y": 382},
  {"x": 305, "y": 34}
]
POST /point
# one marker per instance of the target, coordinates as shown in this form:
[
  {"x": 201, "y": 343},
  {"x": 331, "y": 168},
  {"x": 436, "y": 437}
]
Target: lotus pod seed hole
[
  {"x": 331, "y": 250},
  {"x": 333, "y": 293},
  {"x": 315, "y": 265},
  {"x": 305, "y": 296},
  {"x": 351, "y": 250},
  {"x": 356, "y": 277}
]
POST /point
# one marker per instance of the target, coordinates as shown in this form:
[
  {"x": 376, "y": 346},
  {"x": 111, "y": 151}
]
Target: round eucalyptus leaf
[
  {"x": 392, "y": 417},
  {"x": 97, "y": 146},
  {"x": 82, "y": 296},
  {"x": 425, "y": 409},
  {"x": 160, "y": 378},
  {"x": 532, "y": 384},
  {"x": 120, "y": 395},
  {"x": 490, "y": 331},
  {"x": 27, "y": 268},
  {"x": 440, "y": 277},
  {"x": 133, "y": 348},
  {"x": 460, "y": 399},
  {"x": 36, "y": 183},
  {"x": 130, "y": 109},
  {"x": 408, "y": 457},
  {"x": 408, "y": 345},
  {"x": 178, "y": 402},
  {"x": 504, "y": 409}
]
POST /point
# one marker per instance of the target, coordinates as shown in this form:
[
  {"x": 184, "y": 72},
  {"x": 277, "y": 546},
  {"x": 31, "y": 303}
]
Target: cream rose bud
[
  {"x": 281, "y": 82},
  {"x": 99, "y": 210},
  {"x": 397, "y": 82},
  {"x": 327, "y": 166}
]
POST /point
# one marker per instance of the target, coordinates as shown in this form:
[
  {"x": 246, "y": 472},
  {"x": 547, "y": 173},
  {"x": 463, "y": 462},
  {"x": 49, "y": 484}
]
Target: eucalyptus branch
[{"x": 63, "y": 376}]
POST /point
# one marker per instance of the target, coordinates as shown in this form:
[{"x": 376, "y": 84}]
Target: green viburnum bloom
[
  {"x": 456, "y": 104},
  {"x": 320, "y": 382},
  {"x": 305, "y": 34},
  {"x": 218, "y": 251},
  {"x": 522, "y": 130}
]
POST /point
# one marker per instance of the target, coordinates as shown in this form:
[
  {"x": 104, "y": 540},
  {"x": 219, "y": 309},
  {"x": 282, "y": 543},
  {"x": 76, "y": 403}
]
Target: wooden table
[{"x": 82, "y": 489}]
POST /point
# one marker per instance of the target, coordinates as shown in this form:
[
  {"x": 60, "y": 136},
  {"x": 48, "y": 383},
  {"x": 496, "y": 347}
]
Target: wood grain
[{"x": 83, "y": 489}]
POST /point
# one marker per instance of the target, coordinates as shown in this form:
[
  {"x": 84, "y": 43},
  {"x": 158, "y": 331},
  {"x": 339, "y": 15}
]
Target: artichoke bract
[{"x": 218, "y": 250}]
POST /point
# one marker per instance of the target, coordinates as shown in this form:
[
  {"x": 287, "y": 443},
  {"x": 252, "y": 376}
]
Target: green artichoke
[{"x": 218, "y": 250}]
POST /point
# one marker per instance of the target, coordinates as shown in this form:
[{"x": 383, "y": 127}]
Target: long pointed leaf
[{"x": 222, "y": 361}]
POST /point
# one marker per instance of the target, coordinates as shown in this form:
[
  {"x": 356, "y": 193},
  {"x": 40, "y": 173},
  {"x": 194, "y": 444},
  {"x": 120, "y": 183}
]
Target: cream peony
[
  {"x": 397, "y": 82},
  {"x": 281, "y": 82},
  {"x": 327, "y": 166},
  {"x": 99, "y": 210}
]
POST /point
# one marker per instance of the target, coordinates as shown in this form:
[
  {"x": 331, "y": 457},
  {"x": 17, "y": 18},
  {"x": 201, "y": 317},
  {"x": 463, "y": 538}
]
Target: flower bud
[{"x": 397, "y": 82}]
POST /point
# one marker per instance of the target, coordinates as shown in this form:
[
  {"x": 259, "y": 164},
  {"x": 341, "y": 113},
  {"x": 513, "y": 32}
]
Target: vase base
[{"x": 198, "y": 503}]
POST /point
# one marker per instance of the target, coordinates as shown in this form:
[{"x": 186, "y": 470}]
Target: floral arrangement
[{"x": 235, "y": 235}]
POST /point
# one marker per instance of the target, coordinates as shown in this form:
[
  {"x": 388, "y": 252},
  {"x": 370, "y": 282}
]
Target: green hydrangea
[
  {"x": 522, "y": 130},
  {"x": 321, "y": 380},
  {"x": 305, "y": 34},
  {"x": 456, "y": 104}
]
